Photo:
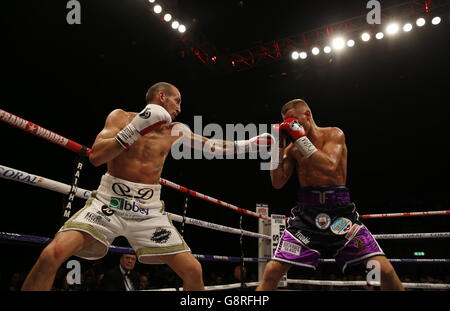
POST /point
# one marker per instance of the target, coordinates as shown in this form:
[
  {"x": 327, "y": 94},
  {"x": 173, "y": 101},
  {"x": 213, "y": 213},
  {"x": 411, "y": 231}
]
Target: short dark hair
[
  {"x": 156, "y": 88},
  {"x": 295, "y": 103}
]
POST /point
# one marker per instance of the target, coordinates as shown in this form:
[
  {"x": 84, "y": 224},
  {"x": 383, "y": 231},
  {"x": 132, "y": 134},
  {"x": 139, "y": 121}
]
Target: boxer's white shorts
[{"x": 132, "y": 210}]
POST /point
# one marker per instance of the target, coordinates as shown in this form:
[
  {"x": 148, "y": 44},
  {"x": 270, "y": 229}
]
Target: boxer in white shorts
[
  {"x": 134, "y": 146},
  {"x": 134, "y": 210}
]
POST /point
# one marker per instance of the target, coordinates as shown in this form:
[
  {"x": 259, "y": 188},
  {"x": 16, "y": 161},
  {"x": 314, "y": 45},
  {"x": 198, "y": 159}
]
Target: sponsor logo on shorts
[
  {"x": 360, "y": 245},
  {"x": 323, "y": 195},
  {"x": 100, "y": 214},
  {"x": 299, "y": 235},
  {"x": 291, "y": 248},
  {"x": 107, "y": 211},
  {"x": 125, "y": 191},
  {"x": 341, "y": 226},
  {"x": 124, "y": 205},
  {"x": 323, "y": 221},
  {"x": 161, "y": 236},
  {"x": 91, "y": 217},
  {"x": 352, "y": 232}
]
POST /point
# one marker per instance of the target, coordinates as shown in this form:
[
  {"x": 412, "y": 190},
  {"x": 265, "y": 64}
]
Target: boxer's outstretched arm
[
  {"x": 218, "y": 146},
  {"x": 106, "y": 147}
]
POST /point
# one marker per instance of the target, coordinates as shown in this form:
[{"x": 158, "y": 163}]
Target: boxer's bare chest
[{"x": 308, "y": 172}]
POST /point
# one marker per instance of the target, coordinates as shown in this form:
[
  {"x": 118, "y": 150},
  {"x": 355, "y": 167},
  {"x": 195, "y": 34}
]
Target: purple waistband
[{"x": 324, "y": 195}]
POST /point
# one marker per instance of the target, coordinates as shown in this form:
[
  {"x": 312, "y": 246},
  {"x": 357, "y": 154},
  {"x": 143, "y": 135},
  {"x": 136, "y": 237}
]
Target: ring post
[
  {"x": 264, "y": 250},
  {"x": 277, "y": 227},
  {"x": 67, "y": 208}
]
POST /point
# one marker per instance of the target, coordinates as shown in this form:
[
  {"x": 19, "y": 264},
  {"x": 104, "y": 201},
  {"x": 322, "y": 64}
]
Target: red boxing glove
[
  {"x": 277, "y": 149},
  {"x": 292, "y": 128},
  {"x": 297, "y": 133},
  {"x": 279, "y": 136}
]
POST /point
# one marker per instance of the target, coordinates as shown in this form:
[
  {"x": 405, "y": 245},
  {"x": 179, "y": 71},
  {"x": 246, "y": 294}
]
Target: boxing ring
[{"x": 270, "y": 227}]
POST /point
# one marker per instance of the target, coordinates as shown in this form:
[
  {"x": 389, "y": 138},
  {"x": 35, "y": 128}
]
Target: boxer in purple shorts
[{"x": 325, "y": 222}]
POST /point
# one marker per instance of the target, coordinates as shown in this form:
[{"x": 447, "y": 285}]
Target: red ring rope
[{"x": 52, "y": 137}]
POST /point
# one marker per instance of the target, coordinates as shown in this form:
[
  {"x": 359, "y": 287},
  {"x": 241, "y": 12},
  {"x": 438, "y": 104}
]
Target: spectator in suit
[{"x": 121, "y": 277}]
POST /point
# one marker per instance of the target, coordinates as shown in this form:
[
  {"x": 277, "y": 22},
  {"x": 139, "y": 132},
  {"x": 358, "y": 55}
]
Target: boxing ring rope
[
  {"x": 33, "y": 239},
  {"x": 84, "y": 194},
  {"x": 116, "y": 249},
  {"x": 46, "y": 183},
  {"x": 364, "y": 283},
  {"x": 50, "y": 136},
  {"x": 407, "y": 214},
  {"x": 49, "y": 184},
  {"x": 26, "y": 238},
  {"x": 319, "y": 283}
]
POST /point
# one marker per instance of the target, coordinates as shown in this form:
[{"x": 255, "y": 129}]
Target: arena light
[
  {"x": 295, "y": 55},
  {"x": 407, "y": 27},
  {"x": 392, "y": 29},
  {"x": 351, "y": 43},
  {"x": 365, "y": 37},
  {"x": 327, "y": 49},
  {"x": 436, "y": 20},
  {"x": 379, "y": 35},
  {"x": 315, "y": 50},
  {"x": 420, "y": 22},
  {"x": 175, "y": 24},
  {"x": 303, "y": 55},
  {"x": 338, "y": 44},
  {"x": 167, "y": 17},
  {"x": 157, "y": 9}
]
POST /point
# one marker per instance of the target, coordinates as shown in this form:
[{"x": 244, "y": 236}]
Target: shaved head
[
  {"x": 153, "y": 91},
  {"x": 299, "y": 104}
]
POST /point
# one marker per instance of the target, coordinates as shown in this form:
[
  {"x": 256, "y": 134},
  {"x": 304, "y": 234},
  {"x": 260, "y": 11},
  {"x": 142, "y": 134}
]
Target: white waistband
[{"x": 147, "y": 195}]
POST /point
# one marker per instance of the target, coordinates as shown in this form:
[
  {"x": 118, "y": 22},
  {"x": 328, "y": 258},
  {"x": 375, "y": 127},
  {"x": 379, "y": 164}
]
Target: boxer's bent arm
[
  {"x": 106, "y": 147},
  {"x": 327, "y": 158},
  {"x": 283, "y": 172}
]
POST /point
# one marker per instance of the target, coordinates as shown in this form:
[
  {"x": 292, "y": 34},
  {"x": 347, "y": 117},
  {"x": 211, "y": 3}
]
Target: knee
[
  {"x": 387, "y": 271},
  {"x": 193, "y": 271},
  {"x": 274, "y": 271},
  {"x": 51, "y": 257}
]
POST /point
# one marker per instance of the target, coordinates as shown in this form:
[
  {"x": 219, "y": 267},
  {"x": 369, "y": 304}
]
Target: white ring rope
[
  {"x": 412, "y": 236},
  {"x": 204, "y": 224},
  {"x": 433, "y": 286},
  {"x": 207, "y": 288},
  {"x": 46, "y": 183},
  {"x": 42, "y": 182},
  {"x": 363, "y": 283}
]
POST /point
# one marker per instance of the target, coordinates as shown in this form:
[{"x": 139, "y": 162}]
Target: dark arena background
[{"x": 237, "y": 62}]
